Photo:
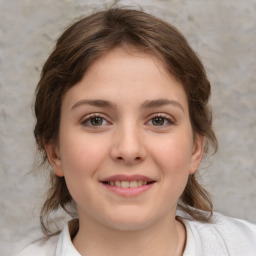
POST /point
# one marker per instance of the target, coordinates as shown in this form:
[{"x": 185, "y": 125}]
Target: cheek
[
  {"x": 81, "y": 155},
  {"x": 80, "y": 159},
  {"x": 174, "y": 155}
]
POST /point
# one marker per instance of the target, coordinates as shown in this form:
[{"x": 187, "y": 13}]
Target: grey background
[{"x": 222, "y": 32}]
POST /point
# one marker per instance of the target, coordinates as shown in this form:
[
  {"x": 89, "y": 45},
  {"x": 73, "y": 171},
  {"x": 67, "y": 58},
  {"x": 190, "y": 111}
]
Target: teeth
[
  {"x": 139, "y": 182},
  {"x": 133, "y": 184},
  {"x": 118, "y": 183},
  {"x": 127, "y": 184}
]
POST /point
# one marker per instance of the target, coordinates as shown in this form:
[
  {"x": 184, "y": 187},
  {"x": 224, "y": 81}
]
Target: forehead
[
  {"x": 124, "y": 57},
  {"x": 127, "y": 74}
]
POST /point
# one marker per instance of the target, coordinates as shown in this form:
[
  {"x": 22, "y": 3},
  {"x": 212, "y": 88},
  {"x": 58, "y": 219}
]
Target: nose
[{"x": 127, "y": 145}]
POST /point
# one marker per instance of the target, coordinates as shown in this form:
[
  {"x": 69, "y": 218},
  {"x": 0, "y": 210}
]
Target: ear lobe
[
  {"x": 54, "y": 159},
  {"x": 197, "y": 153}
]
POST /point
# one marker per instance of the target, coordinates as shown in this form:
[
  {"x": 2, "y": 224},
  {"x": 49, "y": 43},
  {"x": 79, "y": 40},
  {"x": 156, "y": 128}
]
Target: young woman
[{"x": 123, "y": 119}]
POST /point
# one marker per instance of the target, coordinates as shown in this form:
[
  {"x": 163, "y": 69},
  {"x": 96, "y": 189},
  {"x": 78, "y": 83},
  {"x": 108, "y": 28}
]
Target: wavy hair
[{"x": 87, "y": 40}]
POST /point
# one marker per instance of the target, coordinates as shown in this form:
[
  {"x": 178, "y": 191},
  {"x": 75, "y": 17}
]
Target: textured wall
[{"x": 223, "y": 34}]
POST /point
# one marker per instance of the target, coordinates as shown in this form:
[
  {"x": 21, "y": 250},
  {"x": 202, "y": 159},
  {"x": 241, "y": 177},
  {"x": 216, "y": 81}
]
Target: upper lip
[{"x": 123, "y": 177}]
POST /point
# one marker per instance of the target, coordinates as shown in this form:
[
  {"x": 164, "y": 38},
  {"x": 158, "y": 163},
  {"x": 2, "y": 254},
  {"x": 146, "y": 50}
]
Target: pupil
[
  {"x": 96, "y": 121},
  {"x": 158, "y": 121}
]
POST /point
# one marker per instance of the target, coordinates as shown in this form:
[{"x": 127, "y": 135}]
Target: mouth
[{"x": 127, "y": 184}]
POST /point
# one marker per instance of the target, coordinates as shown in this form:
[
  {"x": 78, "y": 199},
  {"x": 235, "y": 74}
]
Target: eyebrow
[
  {"x": 146, "y": 105},
  {"x": 160, "y": 103},
  {"x": 96, "y": 103}
]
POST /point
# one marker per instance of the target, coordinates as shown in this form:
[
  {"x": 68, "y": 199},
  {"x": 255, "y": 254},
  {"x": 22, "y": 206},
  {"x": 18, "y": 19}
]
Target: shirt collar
[{"x": 65, "y": 246}]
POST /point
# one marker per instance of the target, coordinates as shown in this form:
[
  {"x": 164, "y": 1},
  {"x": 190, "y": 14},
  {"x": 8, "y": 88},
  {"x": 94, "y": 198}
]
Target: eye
[
  {"x": 94, "y": 121},
  {"x": 161, "y": 120}
]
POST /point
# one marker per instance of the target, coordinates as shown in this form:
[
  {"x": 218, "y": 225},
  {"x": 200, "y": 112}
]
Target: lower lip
[{"x": 128, "y": 192}]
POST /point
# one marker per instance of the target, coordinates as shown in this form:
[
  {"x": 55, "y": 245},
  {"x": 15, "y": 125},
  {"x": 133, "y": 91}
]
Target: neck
[{"x": 166, "y": 238}]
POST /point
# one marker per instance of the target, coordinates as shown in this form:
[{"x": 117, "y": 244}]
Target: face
[{"x": 126, "y": 146}]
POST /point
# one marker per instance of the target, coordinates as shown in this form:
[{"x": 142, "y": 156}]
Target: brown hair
[{"x": 88, "y": 39}]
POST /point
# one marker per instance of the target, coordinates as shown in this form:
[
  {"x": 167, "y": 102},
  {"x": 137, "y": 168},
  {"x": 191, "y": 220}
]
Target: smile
[{"x": 128, "y": 184}]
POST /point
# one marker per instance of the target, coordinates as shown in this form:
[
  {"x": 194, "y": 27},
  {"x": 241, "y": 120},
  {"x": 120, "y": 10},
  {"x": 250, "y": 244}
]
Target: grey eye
[
  {"x": 96, "y": 121},
  {"x": 158, "y": 121}
]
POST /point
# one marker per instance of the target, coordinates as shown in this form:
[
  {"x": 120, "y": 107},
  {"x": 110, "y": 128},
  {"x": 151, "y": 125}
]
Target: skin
[{"x": 128, "y": 141}]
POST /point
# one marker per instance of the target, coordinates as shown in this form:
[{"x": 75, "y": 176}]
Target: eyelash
[
  {"x": 169, "y": 119},
  {"x": 90, "y": 117}
]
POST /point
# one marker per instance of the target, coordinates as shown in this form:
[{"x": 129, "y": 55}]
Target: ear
[
  {"x": 197, "y": 153},
  {"x": 53, "y": 154}
]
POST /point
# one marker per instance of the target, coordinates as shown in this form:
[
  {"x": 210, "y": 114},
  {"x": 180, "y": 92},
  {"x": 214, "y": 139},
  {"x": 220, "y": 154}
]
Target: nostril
[{"x": 136, "y": 159}]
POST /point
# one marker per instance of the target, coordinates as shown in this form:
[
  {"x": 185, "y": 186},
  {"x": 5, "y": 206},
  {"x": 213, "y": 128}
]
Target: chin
[
  {"x": 128, "y": 222},
  {"x": 129, "y": 226}
]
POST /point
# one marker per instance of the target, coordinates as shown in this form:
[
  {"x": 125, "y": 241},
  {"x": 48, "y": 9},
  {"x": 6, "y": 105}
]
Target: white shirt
[{"x": 224, "y": 237}]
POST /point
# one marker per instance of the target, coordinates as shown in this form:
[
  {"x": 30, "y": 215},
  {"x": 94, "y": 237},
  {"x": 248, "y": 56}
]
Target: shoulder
[
  {"x": 42, "y": 247},
  {"x": 225, "y": 235},
  {"x": 60, "y": 244}
]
